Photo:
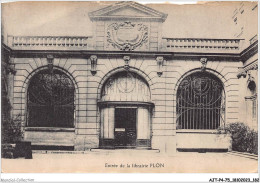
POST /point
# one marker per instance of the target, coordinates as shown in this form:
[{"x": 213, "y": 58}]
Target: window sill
[
  {"x": 199, "y": 131},
  {"x": 49, "y": 129}
]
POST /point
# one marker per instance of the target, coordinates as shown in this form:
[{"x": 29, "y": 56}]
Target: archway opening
[
  {"x": 125, "y": 112},
  {"x": 50, "y": 100},
  {"x": 200, "y": 102}
]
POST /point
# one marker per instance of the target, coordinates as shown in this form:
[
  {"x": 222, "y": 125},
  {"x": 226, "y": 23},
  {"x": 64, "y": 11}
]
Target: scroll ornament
[
  {"x": 126, "y": 59},
  {"x": 93, "y": 60},
  {"x": 10, "y": 67},
  {"x": 160, "y": 61},
  {"x": 127, "y": 36},
  {"x": 203, "y": 62},
  {"x": 50, "y": 59}
]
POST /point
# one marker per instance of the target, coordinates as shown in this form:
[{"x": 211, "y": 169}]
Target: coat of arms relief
[{"x": 127, "y": 36}]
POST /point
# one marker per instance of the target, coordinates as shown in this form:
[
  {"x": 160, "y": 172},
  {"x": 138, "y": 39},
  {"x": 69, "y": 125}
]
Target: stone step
[
  {"x": 126, "y": 150},
  {"x": 99, "y": 151},
  {"x": 58, "y": 152},
  {"x": 245, "y": 155}
]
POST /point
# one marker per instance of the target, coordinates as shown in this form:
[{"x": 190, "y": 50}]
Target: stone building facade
[
  {"x": 246, "y": 28},
  {"x": 127, "y": 86}
]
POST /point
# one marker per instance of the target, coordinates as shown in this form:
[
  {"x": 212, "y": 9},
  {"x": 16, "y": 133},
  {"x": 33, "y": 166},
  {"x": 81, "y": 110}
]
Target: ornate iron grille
[
  {"x": 200, "y": 102},
  {"x": 50, "y": 100}
]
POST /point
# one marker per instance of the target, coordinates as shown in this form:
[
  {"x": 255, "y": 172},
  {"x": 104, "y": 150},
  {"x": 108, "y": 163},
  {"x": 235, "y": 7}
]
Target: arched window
[
  {"x": 50, "y": 100},
  {"x": 251, "y": 103},
  {"x": 200, "y": 102}
]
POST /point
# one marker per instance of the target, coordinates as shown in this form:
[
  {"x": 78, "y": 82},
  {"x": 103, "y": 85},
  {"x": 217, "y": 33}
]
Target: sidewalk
[{"x": 127, "y": 161}]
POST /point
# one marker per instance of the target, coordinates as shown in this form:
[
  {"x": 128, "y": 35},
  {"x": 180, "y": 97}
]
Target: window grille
[
  {"x": 50, "y": 100},
  {"x": 200, "y": 102}
]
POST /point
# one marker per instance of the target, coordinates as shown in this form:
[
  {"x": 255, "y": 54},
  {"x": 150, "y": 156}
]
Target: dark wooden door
[{"x": 125, "y": 127}]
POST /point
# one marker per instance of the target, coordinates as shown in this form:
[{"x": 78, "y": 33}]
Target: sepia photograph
[{"x": 129, "y": 87}]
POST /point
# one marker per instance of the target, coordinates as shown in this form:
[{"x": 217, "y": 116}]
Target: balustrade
[
  {"x": 47, "y": 41},
  {"x": 168, "y": 44},
  {"x": 177, "y": 44}
]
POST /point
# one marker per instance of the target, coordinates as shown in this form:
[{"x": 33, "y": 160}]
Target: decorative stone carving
[
  {"x": 127, "y": 36},
  {"x": 93, "y": 60},
  {"x": 11, "y": 66},
  {"x": 255, "y": 67},
  {"x": 203, "y": 62},
  {"x": 126, "y": 59},
  {"x": 243, "y": 71},
  {"x": 250, "y": 77},
  {"x": 50, "y": 59},
  {"x": 241, "y": 74},
  {"x": 126, "y": 86},
  {"x": 159, "y": 60}
]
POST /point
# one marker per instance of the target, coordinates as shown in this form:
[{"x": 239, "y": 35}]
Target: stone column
[
  {"x": 107, "y": 126},
  {"x": 143, "y": 127},
  {"x": 108, "y": 122}
]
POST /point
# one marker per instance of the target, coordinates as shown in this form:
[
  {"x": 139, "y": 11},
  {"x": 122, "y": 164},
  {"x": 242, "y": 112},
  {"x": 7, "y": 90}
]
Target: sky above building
[{"x": 206, "y": 20}]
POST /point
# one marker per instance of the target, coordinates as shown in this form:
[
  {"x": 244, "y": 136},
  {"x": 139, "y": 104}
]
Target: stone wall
[
  {"x": 248, "y": 72},
  {"x": 163, "y": 91}
]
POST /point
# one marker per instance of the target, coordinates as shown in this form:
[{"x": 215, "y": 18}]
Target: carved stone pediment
[
  {"x": 126, "y": 35},
  {"x": 127, "y": 26},
  {"x": 127, "y": 9}
]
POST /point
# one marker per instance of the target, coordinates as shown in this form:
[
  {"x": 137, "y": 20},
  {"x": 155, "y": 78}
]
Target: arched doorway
[
  {"x": 200, "y": 102},
  {"x": 125, "y": 112}
]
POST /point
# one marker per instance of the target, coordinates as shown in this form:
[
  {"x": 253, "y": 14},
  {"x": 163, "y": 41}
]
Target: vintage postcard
[{"x": 129, "y": 87}]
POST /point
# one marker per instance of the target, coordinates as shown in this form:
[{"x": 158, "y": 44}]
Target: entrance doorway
[
  {"x": 125, "y": 127},
  {"x": 125, "y": 112}
]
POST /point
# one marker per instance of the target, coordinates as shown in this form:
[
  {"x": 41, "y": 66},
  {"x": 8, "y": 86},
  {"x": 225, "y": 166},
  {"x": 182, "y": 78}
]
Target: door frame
[
  {"x": 140, "y": 143},
  {"x": 136, "y": 120}
]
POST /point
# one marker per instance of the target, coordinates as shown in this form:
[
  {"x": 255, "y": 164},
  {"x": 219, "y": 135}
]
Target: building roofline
[
  {"x": 249, "y": 51},
  {"x": 101, "y": 53}
]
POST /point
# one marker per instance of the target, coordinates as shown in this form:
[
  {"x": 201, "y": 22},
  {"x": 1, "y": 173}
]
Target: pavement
[{"x": 127, "y": 161}]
